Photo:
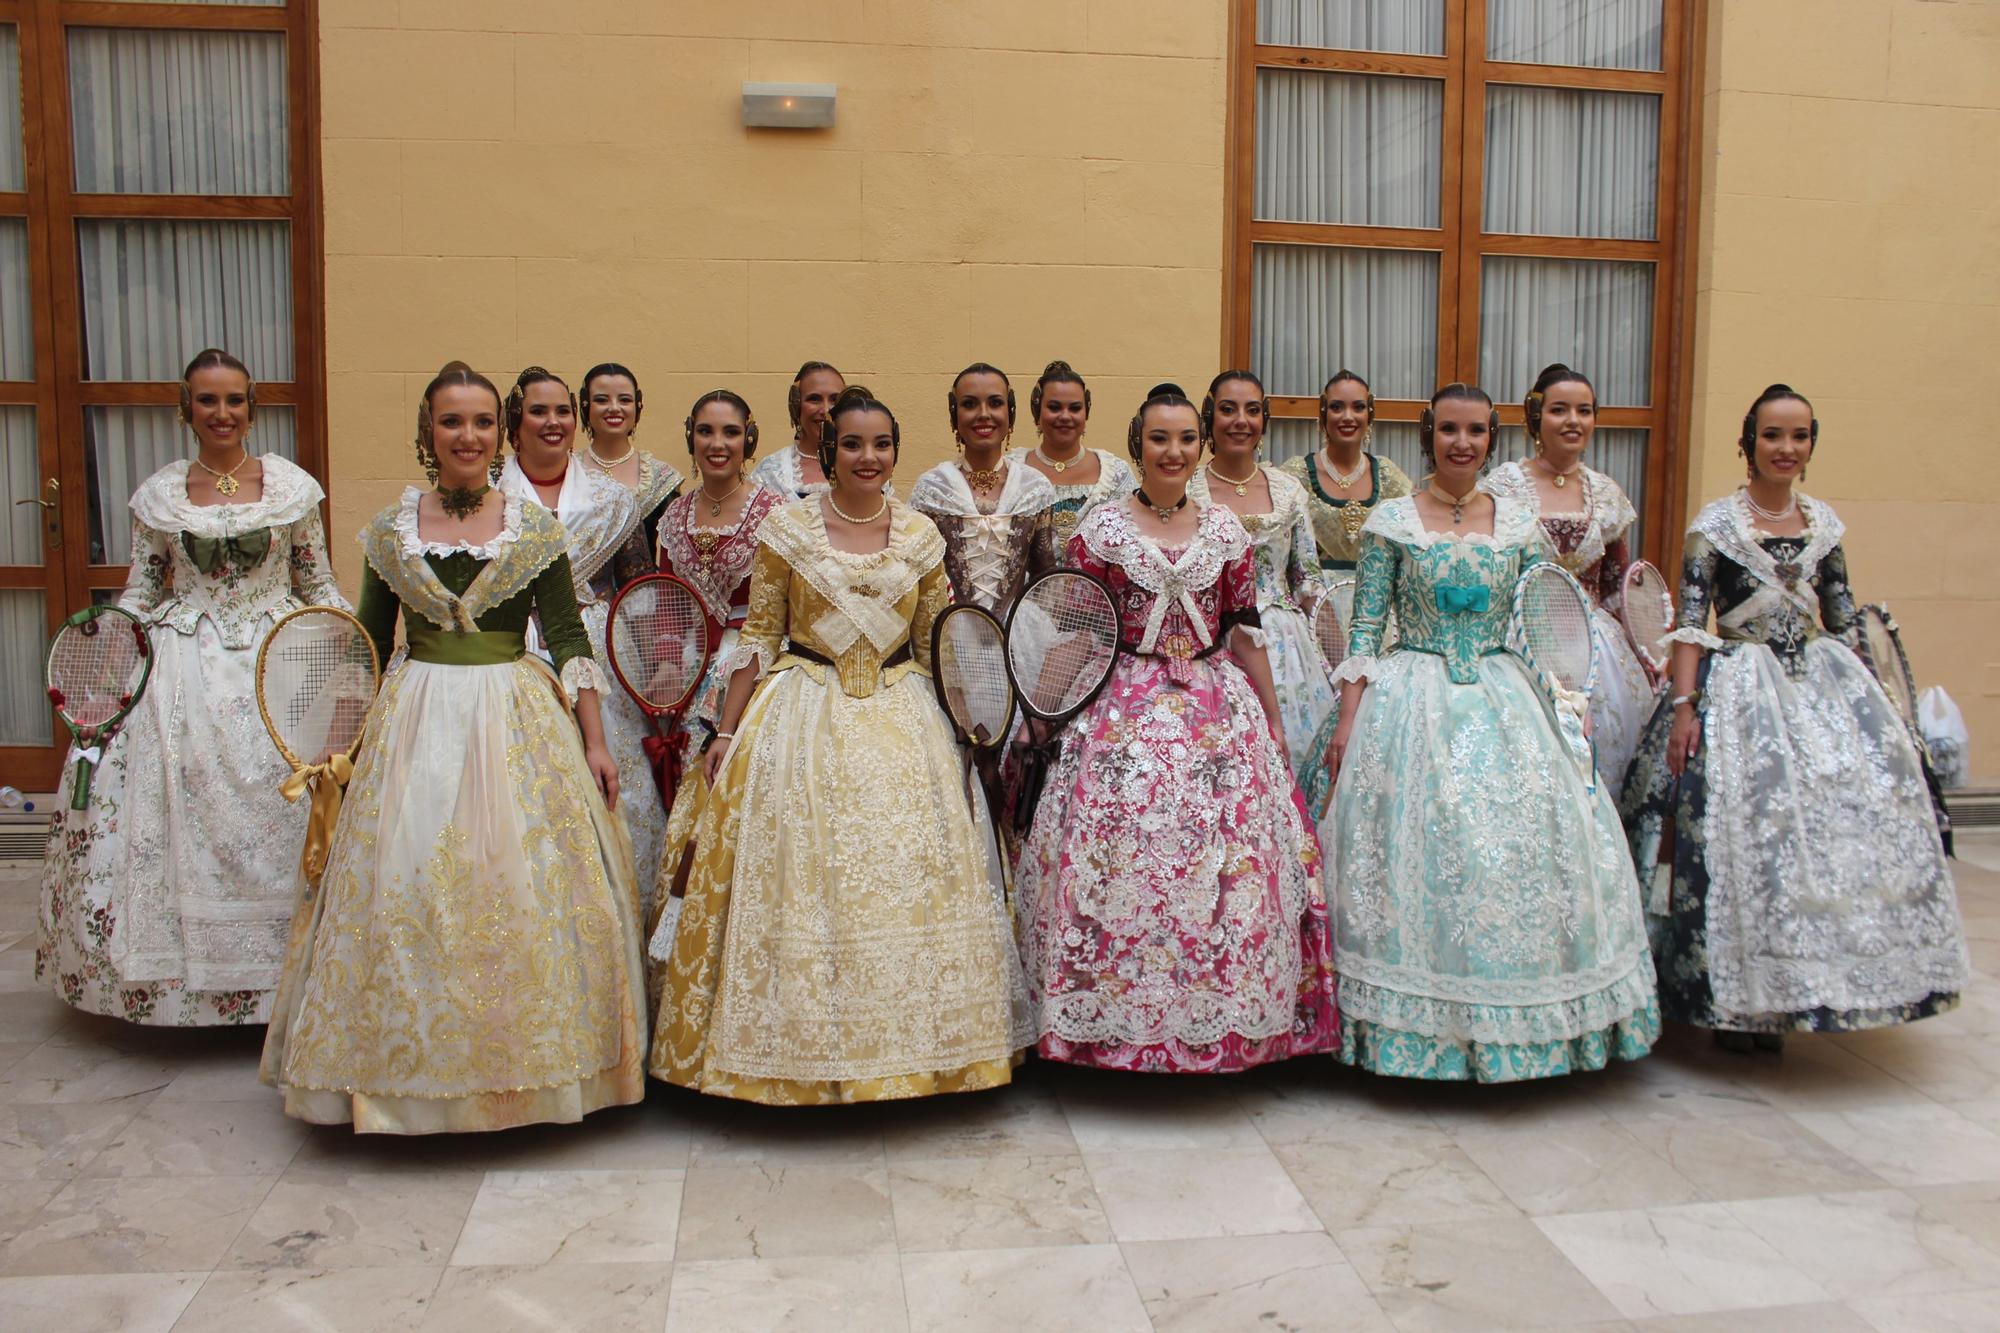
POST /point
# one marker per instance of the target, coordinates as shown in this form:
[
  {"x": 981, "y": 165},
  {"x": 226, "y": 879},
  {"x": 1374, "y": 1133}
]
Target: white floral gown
[
  {"x": 1592, "y": 544},
  {"x": 1287, "y": 559},
  {"x": 167, "y": 901},
  {"x": 1487, "y": 921}
]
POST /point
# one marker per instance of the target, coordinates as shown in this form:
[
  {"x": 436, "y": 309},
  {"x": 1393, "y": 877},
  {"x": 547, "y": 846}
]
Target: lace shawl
[
  {"x": 1609, "y": 513},
  {"x": 597, "y": 512},
  {"x": 1726, "y": 523},
  {"x": 863, "y": 594},
  {"x": 717, "y": 573},
  {"x": 529, "y": 541},
  {"x": 1288, "y": 553},
  {"x": 1111, "y": 535}
]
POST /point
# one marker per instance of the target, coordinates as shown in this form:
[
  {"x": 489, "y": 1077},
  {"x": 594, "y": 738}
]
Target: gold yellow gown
[{"x": 843, "y": 938}]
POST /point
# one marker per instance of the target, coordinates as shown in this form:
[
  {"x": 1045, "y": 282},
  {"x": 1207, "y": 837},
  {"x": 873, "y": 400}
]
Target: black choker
[
  {"x": 459, "y": 501},
  {"x": 1163, "y": 513}
]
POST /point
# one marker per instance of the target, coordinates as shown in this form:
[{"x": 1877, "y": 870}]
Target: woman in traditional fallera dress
[
  {"x": 1343, "y": 479},
  {"x": 794, "y": 472},
  {"x": 1083, "y": 478},
  {"x": 470, "y": 960},
  {"x": 843, "y": 938},
  {"x": 1803, "y": 886},
  {"x": 167, "y": 900},
  {"x": 1272, "y": 507},
  {"x": 1168, "y": 897},
  {"x": 1487, "y": 916},
  {"x": 1588, "y": 522},
  {"x": 610, "y": 405},
  {"x": 708, "y": 537},
  {"x": 607, "y": 549}
]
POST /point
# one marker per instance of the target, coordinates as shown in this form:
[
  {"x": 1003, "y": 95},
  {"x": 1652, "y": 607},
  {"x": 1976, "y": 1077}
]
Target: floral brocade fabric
[{"x": 1167, "y": 898}]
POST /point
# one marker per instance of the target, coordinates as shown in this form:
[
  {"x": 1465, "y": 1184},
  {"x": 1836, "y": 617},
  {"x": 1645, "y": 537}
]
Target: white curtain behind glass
[
  {"x": 1569, "y": 162},
  {"x": 1618, "y": 452},
  {"x": 1348, "y": 148},
  {"x": 1317, "y": 308},
  {"x": 159, "y": 112},
  {"x": 13, "y": 164},
  {"x": 1595, "y": 315},
  {"x": 20, "y": 479},
  {"x": 157, "y": 292},
  {"x": 1415, "y": 27},
  {"x": 24, "y": 642},
  {"x": 129, "y": 444},
  {"x": 17, "y": 327},
  {"x": 1288, "y": 437},
  {"x": 1604, "y": 34}
]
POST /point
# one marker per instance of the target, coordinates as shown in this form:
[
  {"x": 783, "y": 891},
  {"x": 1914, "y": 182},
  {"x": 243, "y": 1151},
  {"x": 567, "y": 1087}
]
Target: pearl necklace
[
  {"x": 1242, "y": 487},
  {"x": 834, "y": 505},
  {"x": 1768, "y": 515},
  {"x": 606, "y": 465},
  {"x": 1344, "y": 481},
  {"x": 1058, "y": 465}
]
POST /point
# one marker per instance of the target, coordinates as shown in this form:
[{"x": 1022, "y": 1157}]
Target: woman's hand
[
  {"x": 1336, "y": 750},
  {"x": 1684, "y": 740},
  {"x": 711, "y": 759},
  {"x": 605, "y": 770}
]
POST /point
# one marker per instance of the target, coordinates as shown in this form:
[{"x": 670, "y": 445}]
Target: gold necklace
[
  {"x": 715, "y": 501},
  {"x": 225, "y": 482},
  {"x": 1344, "y": 481},
  {"x": 604, "y": 465},
  {"x": 1561, "y": 478},
  {"x": 1457, "y": 502},
  {"x": 857, "y": 522},
  {"x": 983, "y": 479},
  {"x": 1242, "y": 487},
  {"x": 1059, "y": 464}
]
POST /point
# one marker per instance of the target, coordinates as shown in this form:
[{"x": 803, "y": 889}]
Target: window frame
[{"x": 1460, "y": 240}]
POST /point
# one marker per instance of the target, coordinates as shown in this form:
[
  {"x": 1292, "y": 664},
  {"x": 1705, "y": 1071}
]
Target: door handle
[{"x": 51, "y": 512}]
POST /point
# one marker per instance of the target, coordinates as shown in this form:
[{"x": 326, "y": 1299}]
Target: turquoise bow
[
  {"x": 210, "y": 553},
  {"x": 1457, "y": 599}
]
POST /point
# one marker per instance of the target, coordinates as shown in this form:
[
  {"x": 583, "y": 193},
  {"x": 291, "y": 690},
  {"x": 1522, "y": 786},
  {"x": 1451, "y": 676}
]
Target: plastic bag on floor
[{"x": 1945, "y": 733}]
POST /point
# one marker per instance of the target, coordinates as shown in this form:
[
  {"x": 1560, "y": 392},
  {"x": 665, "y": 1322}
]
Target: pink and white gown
[{"x": 1168, "y": 900}]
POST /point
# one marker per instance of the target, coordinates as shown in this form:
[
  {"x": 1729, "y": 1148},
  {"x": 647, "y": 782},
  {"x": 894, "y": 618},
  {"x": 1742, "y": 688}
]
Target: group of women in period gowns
[{"x": 1236, "y": 856}]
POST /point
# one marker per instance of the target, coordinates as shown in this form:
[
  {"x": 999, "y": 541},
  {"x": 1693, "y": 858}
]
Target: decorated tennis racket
[
  {"x": 969, "y": 669},
  {"x": 1062, "y": 641},
  {"x": 98, "y": 665},
  {"x": 1329, "y": 630},
  {"x": 1646, "y": 607},
  {"x": 1882, "y": 647},
  {"x": 1551, "y": 629},
  {"x": 659, "y": 641},
  {"x": 316, "y": 678}
]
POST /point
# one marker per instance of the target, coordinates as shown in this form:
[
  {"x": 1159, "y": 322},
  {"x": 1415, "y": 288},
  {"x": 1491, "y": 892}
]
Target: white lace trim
[
  {"x": 1514, "y": 524},
  {"x": 944, "y": 490},
  {"x": 747, "y": 653},
  {"x": 1620, "y": 998},
  {"x": 412, "y": 544},
  {"x": 578, "y": 674},
  {"x": 1701, "y": 638},
  {"x": 1356, "y": 669},
  {"x": 1609, "y": 512},
  {"x": 597, "y": 512},
  {"x": 162, "y": 503},
  {"x": 1727, "y": 525},
  {"x": 1113, "y": 537}
]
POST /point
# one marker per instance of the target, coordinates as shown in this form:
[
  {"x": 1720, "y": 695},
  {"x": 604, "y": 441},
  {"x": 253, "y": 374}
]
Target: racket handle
[{"x": 79, "y": 798}]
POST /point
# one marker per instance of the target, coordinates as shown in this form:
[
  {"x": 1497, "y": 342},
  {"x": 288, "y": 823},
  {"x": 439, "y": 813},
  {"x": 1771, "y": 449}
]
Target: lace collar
[
  {"x": 530, "y": 540},
  {"x": 1514, "y": 524},
  {"x": 717, "y": 571},
  {"x": 596, "y": 510},
  {"x": 1606, "y": 511},
  {"x": 162, "y": 503},
  {"x": 1112, "y": 535},
  {"x": 658, "y": 480},
  {"x": 1113, "y": 476},
  {"x": 863, "y": 589},
  {"x": 1728, "y": 525},
  {"x": 411, "y": 542},
  {"x": 944, "y": 490},
  {"x": 1288, "y": 501}
]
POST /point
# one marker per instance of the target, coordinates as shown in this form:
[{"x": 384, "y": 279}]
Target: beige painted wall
[
  {"x": 568, "y": 181},
  {"x": 1850, "y": 247}
]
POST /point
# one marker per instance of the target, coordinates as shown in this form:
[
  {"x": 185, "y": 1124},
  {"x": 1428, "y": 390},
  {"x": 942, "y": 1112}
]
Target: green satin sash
[
  {"x": 492, "y": 647},
  {"x": 246, "y": 551}
]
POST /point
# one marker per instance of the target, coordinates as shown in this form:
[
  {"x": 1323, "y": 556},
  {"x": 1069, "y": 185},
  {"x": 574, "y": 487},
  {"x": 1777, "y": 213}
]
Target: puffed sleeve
[
  {"x": 1697, "y": 591},
  {"x": 562, "y": 628},
  {"x": 146, "y": 578},
  {"x": 377, "y": 613},
  {"x": 312, "y": 571},
  {"x": 1836, "y": 596},
  {"x": 1236, "y": 596},
  {"x": 1375, "y": 585},
  {"x": 762, "y": 638},
  {"x": 933, "y": 595}
]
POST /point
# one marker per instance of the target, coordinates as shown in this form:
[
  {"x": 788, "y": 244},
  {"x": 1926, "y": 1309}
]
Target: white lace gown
[{"x": 167, "y": 901}]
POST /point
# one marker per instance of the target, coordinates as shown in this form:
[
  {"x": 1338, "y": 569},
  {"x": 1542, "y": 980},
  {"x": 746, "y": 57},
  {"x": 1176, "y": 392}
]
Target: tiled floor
[{"x": 147, "y": 1182}]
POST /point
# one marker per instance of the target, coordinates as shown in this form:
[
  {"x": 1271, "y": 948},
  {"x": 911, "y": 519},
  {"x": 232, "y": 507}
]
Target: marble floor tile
[
  {"x": 848, "y": 1293},
  {"x": 1452, "y": 1276},
  {"x": 1294, "y": 1282},
  {"x": 1405, "y": 1180},
  {"x": 1937, "y": 1063},
  {"x": 732, "y": 1133},
  {"x": 1876, "y": 1243},
  {"x": 1006, "y": 1291},
  {"x": 602, "y": 1298},
  {"x": 1175, "y": 1195},
  {"x": 1823, "y": 1317},
  {"x": 1973, "y": 1208},
  {"x": 1688, "y": 1259},
  {"x": 13, "y": 1052},
  {"x": 1914, "y": 1144},
  {"x": 768, "y": 1212},
  {"x": 338, "y": 1300},
  {"x": 1681, "y": 1080},
  {"x": 103, "y": 1303},
  {"x": 1955, "y": 1312},
  {"x": 69, "y": 1071},
  {"x": 625, "y": 1138},
  {"x": 993, "y": 1203},
  {"x": 1583, "y": 1167},
  {"x": 202, "y": 1139},
  {"x": 20, "y": 1200},
  {"x": 1291, "y": 1113},
  {"x": 1174, "y": 1115},
  {"x": 153, "y": 1224},
  {"x": 1814, "y": 1073},
  {"x": 56, "y": 1140},
  {"x": 38, "y": 1016},
  {"x": 339, "y": 1219},
  {"x": 226, "y": 1077},
  {"x": 572, "y": 1217},
  {"x": 1543, "y": 1103},
  {"x": 1022, "y": 1121},
  {"x": 1745, "y": 1157}
]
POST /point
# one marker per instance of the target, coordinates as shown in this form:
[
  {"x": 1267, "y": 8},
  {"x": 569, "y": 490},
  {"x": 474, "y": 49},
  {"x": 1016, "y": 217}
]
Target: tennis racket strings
[
  {"x": 971, "y": 670},
  {"x": 1062, "y": 640}
]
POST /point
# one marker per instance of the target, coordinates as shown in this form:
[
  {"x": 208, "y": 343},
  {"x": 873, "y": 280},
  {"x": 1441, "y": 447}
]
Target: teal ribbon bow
[
  {"x": 210, "y": 553},
  {"x": 1457, "y": 599}
]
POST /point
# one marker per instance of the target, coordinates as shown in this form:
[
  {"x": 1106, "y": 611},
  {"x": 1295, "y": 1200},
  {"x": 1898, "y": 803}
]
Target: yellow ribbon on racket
[{"x": 326, "y": 782}]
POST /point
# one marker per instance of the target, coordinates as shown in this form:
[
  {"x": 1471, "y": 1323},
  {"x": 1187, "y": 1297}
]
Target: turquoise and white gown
[
  {"x": 1487, "y": 918},
  {"x": 1287, "y": 561}
]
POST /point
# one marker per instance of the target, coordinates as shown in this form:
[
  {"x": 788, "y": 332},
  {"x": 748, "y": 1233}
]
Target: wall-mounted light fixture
[{"x": 789, "y": 106}]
